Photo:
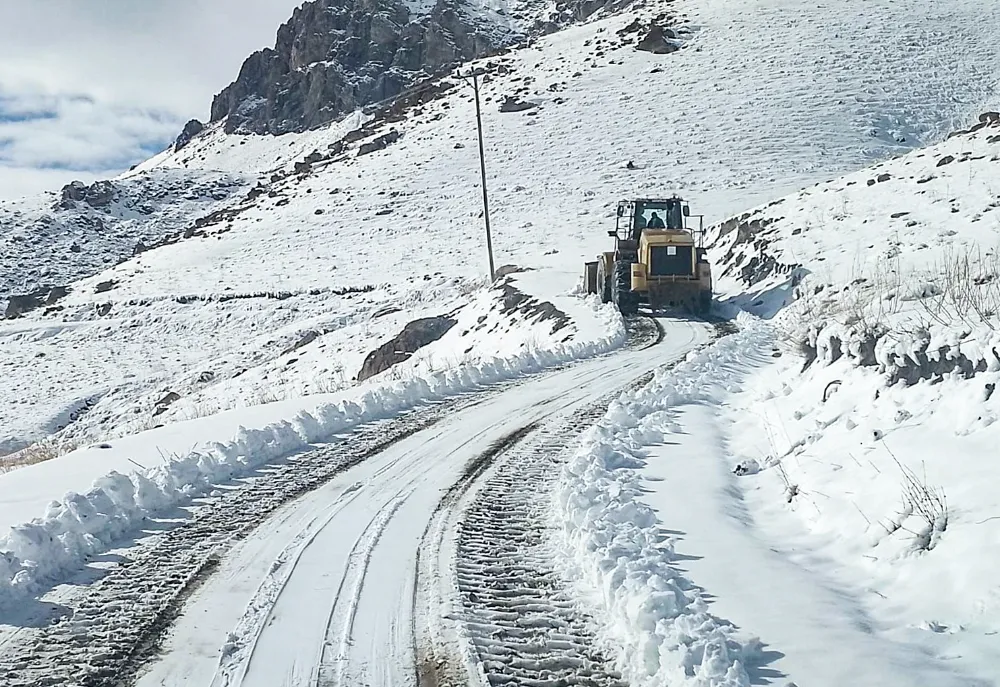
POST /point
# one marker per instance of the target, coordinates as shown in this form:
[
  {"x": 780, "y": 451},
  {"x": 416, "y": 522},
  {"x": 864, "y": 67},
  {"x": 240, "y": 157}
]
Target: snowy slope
[
  {"x": 867, "y": 442},
  {"x": 53, "y": 240}
]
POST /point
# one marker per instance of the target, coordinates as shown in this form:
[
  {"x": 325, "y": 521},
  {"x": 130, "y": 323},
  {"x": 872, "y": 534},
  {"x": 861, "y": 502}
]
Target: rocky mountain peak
[{"x": 334, "y": 56}]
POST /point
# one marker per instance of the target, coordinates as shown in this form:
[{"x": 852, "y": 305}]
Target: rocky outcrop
[
  {"x": 414, "y": 336},
  {"x": 98, "y": 195},
  {"x": 190, "y": 130},
  {"x": 335, "y": 56},
  {"x": 24, "y": 303},
  {"x": 83, "y": 229},
  {"x": 659, "y": 41}
]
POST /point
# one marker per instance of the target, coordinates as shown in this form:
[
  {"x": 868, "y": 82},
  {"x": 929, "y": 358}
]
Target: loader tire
[
  {"x": 621, "y": 288},
  {"x": 603, "y": 282}
]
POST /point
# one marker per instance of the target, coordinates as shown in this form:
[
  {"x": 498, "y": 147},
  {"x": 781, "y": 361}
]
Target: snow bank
[
  {"x": 81, "y": 525},
  {"x": 659, "y": 621}
]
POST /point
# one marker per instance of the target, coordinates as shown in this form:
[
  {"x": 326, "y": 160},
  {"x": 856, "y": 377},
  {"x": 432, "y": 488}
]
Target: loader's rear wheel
[
  {"x": 603, "y": 282},
  {"x": 621, "y": 289}
]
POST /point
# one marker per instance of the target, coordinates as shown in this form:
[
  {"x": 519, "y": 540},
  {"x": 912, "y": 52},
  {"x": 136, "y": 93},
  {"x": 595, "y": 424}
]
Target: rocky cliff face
[{"x": 334, "y": 56}]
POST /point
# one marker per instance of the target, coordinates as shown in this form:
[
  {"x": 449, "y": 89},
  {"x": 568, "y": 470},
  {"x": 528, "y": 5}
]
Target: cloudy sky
[{"x": 89, "y": 87}]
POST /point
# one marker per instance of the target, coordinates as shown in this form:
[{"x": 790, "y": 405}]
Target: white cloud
[{"x": 97, "y": 85}]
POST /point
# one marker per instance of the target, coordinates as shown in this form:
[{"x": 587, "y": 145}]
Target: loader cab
[{"x": 636, "y": 215}]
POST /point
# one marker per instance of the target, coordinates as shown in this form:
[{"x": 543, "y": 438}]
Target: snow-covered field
[{"x": 855, "y": 544}]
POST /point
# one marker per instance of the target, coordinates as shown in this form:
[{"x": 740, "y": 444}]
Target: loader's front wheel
[
  {"x": 603, "y": 282},
  {"x": 621, "y": 289}
]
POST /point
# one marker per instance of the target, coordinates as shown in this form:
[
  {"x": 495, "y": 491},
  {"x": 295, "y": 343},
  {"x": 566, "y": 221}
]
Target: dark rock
[
  {"x": 55, "y": 293},
  {"x": 379, "y": 143},
  {"x": 164, "y": 403},
  {"x": 946, "y": 160},
  {"x": 414, "y": 336},
  {"x": 75, "y": 247},
  {"x": 19, "y": 305},
  {"x": 190, "y": 130},
  {"x": 74, "y": 191},
  {"x": 512, "y": 104},
  {"x": 304, "y": 340},
  {"x": 105, "y": 286},
  {"x": 100, "y": 194},
  {"x": 883, "y": 177},
  {"x": 505, "y": 270},
  {"x": 139, "y": 247},
  {"x": 657, "y": 41}
]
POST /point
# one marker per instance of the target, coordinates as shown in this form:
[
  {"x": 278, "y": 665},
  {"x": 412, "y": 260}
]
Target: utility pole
[{"x": 482, "y": 170}]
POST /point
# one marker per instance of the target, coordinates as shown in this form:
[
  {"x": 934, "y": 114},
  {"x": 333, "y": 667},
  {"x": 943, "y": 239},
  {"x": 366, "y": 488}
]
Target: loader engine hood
[{"x": 668, "y": 253}]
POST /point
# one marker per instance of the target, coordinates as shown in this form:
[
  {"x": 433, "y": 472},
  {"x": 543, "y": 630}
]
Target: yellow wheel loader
[{"x": 658, "y": 260}]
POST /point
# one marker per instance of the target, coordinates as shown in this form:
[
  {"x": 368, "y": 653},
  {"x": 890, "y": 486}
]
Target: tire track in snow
[
  {"x": 331, "y": 668},
  {"x": 239, "y": 648},
  {"x": 486, "y": 556},
  {"x": 117, "y": 623}
]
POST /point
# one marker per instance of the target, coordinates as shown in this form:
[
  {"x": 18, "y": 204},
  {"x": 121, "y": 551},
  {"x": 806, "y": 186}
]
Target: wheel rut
[{"x": 515, "y": 612}]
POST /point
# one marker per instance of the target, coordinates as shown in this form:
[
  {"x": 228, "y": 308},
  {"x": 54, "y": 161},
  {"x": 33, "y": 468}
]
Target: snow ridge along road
[{"x": 304, "y": 574}]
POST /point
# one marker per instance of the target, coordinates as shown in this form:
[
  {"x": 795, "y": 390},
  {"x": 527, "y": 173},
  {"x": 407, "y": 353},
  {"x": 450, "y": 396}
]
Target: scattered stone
[
  {"x": 304, "y": 340},
  {"x": 380, "y": 143},
  {"x": 513, "y": 104},
  {"x": 164, "y": 403}
]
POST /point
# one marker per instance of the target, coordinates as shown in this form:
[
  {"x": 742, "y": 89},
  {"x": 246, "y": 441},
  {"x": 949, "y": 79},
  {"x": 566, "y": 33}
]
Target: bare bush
[
  {"x": 39, "y": 452},
  {"x": 965, "y": 288},
  {"x": 928, "y": 503}
]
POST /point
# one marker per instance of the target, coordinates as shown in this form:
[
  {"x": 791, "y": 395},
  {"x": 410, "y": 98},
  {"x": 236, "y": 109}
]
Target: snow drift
[{"x": 612, "y": 540}]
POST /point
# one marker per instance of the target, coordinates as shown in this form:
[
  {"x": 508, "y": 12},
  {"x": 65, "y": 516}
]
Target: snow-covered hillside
[
  {"x": 55, "y": 239},
  {"x": 866, "y": 449}
]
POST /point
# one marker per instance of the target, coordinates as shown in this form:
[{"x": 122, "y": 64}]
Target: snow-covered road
[{"x": 323, "y": 592}]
